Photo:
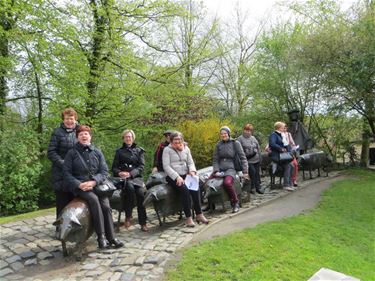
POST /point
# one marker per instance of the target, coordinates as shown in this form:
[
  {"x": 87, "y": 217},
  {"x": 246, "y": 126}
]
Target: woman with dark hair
[
  {"x": 129, "y": 163},
  {"x": 251, "y": 148},
  {"x": 84, "y": 168},
  {"x": 63, "y": 138},
  {"x": 225, "y": 153},
  {"x": 177, "y": 164}
]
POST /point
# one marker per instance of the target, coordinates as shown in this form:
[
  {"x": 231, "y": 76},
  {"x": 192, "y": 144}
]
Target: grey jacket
[
  {"x": 251, "y": 148},
  {"x": 62, "y": 140},
  {"x": 223, "y": 158},
  {"x": 177, "y": 163}
]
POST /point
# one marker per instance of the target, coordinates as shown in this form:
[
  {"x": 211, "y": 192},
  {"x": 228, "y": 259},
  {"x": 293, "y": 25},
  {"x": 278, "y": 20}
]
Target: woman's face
[
  {"x": 177, "y": 140},
  {"x": 84, "y": 138},
  {"x": 128, "y": 139},
  {"x": 224, "y": 135},
  {"x": 69, "y": 121},
  {"x": 249, "y": 132}
]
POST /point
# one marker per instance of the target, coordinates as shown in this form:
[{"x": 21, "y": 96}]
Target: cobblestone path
[{"x": 28, "y": 250}]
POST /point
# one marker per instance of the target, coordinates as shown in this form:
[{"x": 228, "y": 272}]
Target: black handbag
[
  {"x": 285, "y": 157},
  {"x": 106, "y": 188},
  {"x": 237, "y": 160}
]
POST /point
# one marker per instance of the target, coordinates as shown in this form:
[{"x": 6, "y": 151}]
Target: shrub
[
  {"x": 19, "y": 169},
  {"x": 202, "y": 137}
]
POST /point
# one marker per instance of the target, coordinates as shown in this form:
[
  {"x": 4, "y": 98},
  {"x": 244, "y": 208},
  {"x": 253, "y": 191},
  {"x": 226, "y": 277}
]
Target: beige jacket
[{"x": 177, "y": 163}]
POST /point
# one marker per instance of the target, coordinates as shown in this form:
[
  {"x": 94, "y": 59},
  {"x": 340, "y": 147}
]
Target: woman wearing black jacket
[
  {"x": 81, "y": 178},
  {"x": 63, "y": 138},
  {"x": 129, "y": 163}
]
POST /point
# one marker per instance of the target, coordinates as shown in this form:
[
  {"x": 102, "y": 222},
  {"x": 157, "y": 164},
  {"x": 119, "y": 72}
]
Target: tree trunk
[{"x": 364, "y": 162}]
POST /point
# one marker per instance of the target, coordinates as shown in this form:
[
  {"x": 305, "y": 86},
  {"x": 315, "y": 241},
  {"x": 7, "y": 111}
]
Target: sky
[{"x": 258, "y": 9}]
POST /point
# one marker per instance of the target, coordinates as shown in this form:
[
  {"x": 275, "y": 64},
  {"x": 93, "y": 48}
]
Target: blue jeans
[{"x": 288, "y": 171}]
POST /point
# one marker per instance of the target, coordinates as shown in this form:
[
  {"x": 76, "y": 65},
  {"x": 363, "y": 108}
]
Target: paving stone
[
  {"x": 139, "y": 261},
  {"x": 142, "y": 273},
  {"x": 3, "y": 264},
  {"x": 15, "y": 277},
  {"x": 115, "y": 262},
  {"x": 16, "y": 266},
  {"x": 147, "y": 266},
  {"x": 126, "y": 276},
  {"x": 13, "y": 259},
  {"x": 90, "y": 266},
  {"x": 31, "y": 262},
  {"x": 105, "y": 276},
  {"x": 44, "y": 255},
  {"x": 44, "y": 262},
  {"x": 27, "y": 254},
  {"x": 5, "y": 271},
  {"x": 116, "y": 276},
  {"x": 94, "y": 273},
  {"x": 153, "y": 259}
]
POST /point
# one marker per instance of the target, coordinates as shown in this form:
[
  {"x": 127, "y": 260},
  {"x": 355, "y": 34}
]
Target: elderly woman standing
[
  {"x": 177, "y": 164},
  {"x": 129, "y": 163},
  {"x": 84, "y": 168},
  {"x": 63, "y": 138},
  {"x": 251, "y": 148},
  {"x": 277, "y": 146},
  {"x": 223, "y": 164}
]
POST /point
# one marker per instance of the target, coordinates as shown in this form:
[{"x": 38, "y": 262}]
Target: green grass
[
  {"x": 339, "y": 234},
  {"x": 30, "y": 215}
]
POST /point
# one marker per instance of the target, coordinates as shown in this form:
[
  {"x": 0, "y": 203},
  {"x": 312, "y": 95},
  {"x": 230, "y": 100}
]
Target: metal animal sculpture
[
  {"x": 215, "y": 193},
  {"x": 74, "y": 224},
  {"x": 314, "y": 160}
]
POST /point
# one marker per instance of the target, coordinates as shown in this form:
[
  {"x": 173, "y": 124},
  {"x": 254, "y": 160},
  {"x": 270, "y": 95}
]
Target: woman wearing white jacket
[{"x": 177, "y": 164}]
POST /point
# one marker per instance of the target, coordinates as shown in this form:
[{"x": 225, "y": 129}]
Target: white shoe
[{"x": 289, "y": 188}]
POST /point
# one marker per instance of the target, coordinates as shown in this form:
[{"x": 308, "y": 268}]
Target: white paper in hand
[{"x": 192, "y": 182}]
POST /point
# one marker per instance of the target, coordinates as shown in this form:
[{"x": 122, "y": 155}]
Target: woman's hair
[
  {"x": 278, "y": 125},
  {"x": 69, "y": 112},
  {"x": 127, "y": 131},
  {"x": 248, "y": 126},
  {"x": 83, "y": 128},
  {"x": 226, "y": 129},
  {"x": 176, "y": 134}
]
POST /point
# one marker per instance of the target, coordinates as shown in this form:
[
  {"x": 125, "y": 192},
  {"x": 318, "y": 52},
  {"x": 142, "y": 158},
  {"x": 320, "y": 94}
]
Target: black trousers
[
  {"x": 101, "y": 213},
  {"x": 62, "y": 199},
  {"x": 130, "y": 191},
  {"x": 186, "y": 195},
  {"x": 254, "y": 175}
]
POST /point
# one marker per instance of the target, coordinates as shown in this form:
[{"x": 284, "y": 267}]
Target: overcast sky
[{"x": 257, "y": 9}]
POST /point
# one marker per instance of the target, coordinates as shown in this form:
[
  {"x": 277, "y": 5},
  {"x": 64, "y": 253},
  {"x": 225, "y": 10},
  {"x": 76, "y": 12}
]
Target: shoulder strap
[{"x": 83, "y": 161}]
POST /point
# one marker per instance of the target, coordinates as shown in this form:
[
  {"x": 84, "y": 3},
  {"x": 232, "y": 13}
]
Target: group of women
[{"x": 78, "y": 166}]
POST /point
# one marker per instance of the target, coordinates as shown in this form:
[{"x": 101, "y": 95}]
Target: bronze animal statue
[{"x": 74, "y": 225}]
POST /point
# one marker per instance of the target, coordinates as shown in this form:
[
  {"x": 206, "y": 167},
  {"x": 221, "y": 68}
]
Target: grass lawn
[
  {"x": 27, "y": 215},
  {"x": 339, "y": 234}
]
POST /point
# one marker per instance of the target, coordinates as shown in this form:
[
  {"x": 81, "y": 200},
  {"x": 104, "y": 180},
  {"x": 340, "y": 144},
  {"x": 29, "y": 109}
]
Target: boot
[
  {"x": 260, "y": 191},
  {"x": 102, "y": 242},
  {"x": 115, "y": 243},
  {"x": 236, "y": 208}
]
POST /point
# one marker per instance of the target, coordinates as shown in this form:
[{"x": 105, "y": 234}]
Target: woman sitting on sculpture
[
  {"x": 84, "y": 168},
  {"x": 129, "y": 164},
  {"x": 226, "y": 150},
  {"x": 177, "y": 164},
  {"x": 277, "y": 146}
]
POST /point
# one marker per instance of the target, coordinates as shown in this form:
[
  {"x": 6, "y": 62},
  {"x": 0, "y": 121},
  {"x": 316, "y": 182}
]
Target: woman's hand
[
  {"x": 154, "y": 170},
  {"x": 179, "y": 181},
  {"x": 192, "y": 173},
  {"x": 87, "y": 185},
  {"x": 124, "y": 175},
  {"x": 246, "y": 176}
]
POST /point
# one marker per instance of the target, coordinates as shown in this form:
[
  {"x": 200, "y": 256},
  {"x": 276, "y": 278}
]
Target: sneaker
[{"x": 289, "y": 188}]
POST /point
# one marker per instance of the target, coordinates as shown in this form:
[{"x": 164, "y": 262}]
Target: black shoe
[
  {"x": 102, "y": 242},
  {"x": 295, "y": 184},
  {"x": 236, "y": 208},
  {"x": 115, "y": 243},
  {"x": 260, "y": 191}
]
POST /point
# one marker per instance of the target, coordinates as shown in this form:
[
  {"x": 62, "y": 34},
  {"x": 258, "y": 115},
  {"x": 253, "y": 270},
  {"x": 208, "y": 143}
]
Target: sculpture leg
[
  {"x": 118, "y": 221},
  {"x": 310, "y": 173},
  {"x": 157, "y": 214},
  {"x": 65, "y": 250}
]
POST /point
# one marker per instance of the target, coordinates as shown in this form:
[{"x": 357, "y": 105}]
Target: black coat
[
  {"x": 75, "y": 172},
  {"x": 62, "y": 140},
  {"x": 129, "y": 159}
]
